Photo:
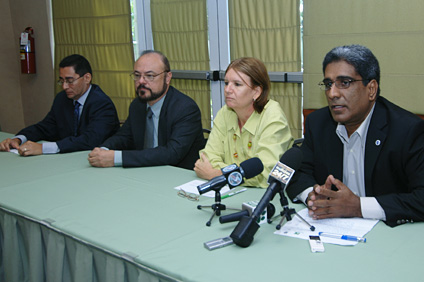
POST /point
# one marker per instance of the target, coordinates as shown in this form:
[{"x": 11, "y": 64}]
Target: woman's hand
[{"x": 204, "y": 169}]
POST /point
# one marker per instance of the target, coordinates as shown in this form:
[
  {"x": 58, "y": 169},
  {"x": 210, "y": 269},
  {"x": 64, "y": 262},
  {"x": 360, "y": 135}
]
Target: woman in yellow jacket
[{"x": 249, "y": 125}]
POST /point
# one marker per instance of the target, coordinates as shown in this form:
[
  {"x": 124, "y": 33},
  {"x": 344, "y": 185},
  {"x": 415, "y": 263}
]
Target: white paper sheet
[{"x": 345, "y": 226}]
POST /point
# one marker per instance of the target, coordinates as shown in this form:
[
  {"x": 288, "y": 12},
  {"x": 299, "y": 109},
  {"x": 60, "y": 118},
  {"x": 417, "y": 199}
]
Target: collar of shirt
[
  {"x": 250, "y": 125},
  {"x": 361, "y": 131},
  {"x": 156, "y": 107},
  {"x": 84, "y": 96}
]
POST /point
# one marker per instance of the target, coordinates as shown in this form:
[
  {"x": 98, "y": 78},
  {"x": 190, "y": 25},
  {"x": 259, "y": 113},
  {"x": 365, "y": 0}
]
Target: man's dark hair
[
  {"x": 78, "y": 62},
  {"x": 358, "y": 56},
  {"x": 162, "y": 56}
]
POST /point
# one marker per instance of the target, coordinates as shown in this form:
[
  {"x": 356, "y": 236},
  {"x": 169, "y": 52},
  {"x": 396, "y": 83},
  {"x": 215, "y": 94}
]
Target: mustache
[{"x": 142, "y": 87}]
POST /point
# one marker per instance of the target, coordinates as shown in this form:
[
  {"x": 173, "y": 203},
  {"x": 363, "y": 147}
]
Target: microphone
[
  {"x": 279, "y": 177},
  {"x": 247, "y": 210},
  {"x": 233, "y": 175}
]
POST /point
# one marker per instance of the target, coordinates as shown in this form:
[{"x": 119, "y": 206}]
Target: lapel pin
[{"x": 377, "y": 142}]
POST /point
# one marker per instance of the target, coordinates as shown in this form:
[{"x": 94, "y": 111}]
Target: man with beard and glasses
[{"x": 163, "y": 127}]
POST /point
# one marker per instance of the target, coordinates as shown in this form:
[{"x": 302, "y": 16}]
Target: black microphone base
[
  {"x": 243, "y": 234},
  {"x": 233, "y": 217}
]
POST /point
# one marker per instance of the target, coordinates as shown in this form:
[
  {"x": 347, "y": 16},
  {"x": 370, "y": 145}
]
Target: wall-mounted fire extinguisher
[{"x": 27, "y": 51}]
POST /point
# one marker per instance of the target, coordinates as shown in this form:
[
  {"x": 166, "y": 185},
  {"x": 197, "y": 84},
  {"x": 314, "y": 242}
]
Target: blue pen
[{"x": 343, "y": 237}]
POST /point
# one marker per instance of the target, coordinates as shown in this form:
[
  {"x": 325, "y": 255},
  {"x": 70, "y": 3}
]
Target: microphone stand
[
  {"x": 217, "y": 207},
  {"x": 287, "y": 212}
]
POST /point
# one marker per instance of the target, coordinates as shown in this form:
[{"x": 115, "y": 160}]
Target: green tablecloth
[{"x": 62, "y": 220}]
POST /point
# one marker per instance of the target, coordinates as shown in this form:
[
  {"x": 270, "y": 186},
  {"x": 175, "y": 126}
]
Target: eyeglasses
[
  {"x": 341, "y": 83},
  {"x": 148, "y": 77},
  {"x": 68, "y": 81},
  {"x": 190, "y": 196}
]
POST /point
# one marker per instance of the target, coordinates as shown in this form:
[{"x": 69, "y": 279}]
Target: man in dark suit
[
  {"x": 81, "y": 117},
  {"x": 362, "y": 155},
  {"x": 176, "y": 134}
]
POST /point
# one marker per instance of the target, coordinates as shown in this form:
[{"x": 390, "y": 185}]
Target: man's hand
[
  {"x": 8, "y": 144},
  {"x": 204, "y": 169},
  {"x": 326, "y": 203},
  {"x": 314, "y": 196},
  {"x": 30, "y": 148},
  {"x": 101, "y": 158}
]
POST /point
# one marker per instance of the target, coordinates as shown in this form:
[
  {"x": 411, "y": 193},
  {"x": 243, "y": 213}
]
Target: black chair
[
  {"x": 297, "y": 142},
  {"x": 206, "y": 133}
]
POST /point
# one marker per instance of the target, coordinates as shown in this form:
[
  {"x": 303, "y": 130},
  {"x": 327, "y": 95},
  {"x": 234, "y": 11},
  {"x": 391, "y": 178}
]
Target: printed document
[{"x": 344, "y": 226}]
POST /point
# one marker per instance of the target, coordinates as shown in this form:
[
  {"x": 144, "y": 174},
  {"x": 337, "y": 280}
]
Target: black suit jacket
[
  {"x": 180, "y": 134},
  {"x": 98, "y": 121},
  {"x": 394, "y": 159}
]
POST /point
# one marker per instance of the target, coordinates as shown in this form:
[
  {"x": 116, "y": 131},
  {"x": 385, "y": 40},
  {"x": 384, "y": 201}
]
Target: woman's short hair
[{"x": 256, "y": 70}]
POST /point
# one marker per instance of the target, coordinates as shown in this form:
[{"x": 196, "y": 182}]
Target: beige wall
[
  {"x": 391, "y": 29},
  {"x": 24, "y": 98}
]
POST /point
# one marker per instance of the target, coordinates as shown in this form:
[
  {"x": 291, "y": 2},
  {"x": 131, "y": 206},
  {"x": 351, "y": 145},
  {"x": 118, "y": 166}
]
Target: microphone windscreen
[
  {"x": 292, "y": 158},
  {"x": 252, "y": 167}
]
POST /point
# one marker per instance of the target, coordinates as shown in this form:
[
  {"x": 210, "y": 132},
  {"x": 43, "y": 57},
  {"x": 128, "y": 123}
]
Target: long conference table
[{"x": 63, "y": 220}]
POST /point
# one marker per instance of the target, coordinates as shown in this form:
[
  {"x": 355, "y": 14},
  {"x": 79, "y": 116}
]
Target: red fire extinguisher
[{"x": 27, "y": 51}]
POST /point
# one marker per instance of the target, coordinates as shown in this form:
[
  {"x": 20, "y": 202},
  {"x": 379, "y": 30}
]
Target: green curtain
[
  {"x": 270, "y": 31},
  {"x": 180, "y": 31},
  {"x": 391, "y": 29},
  {"x": 100, "y": 30}
]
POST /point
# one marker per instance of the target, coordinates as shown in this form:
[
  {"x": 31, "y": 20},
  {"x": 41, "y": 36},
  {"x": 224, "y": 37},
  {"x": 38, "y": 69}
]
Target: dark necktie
[
  {"x": 148, "y": 135},
  {"x": 76, "y": 117}
]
